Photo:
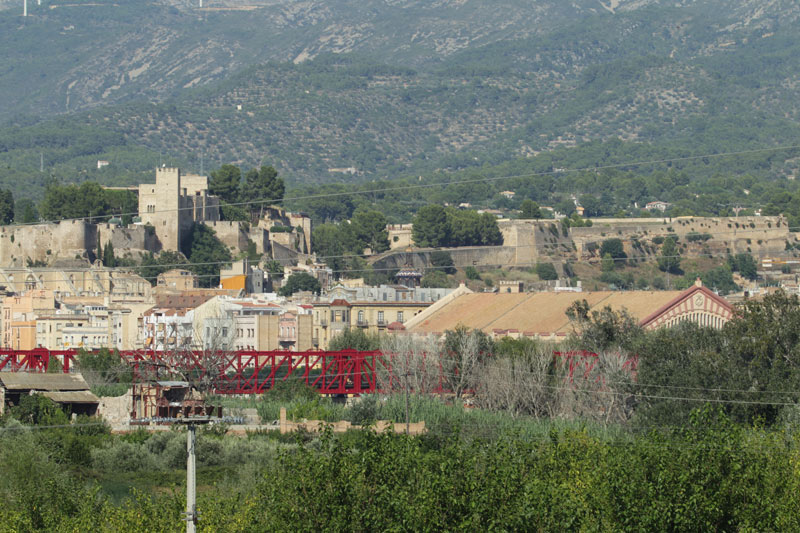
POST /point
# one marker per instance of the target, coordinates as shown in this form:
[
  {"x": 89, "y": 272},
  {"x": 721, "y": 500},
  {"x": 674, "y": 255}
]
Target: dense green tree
[
  {"x": 72, "y": 201},
  {"x": 472, "y": 273},
  {"x": 565, "y": 207},
  {"x": 108, "y": 255},
  {"x": 744, "y": 264},
  {"x": 530, "y": 209},
  {"x": 330, "y": 203},
  {"x": 607, "y": 263},
  {"x": 207, "y": 254},
  {"x": 443, "y": 262},
  {"x": 355, "y": 339},
  {"x": 6, "y": 206},
  {"x": 489, "y": 231},
  {"x": 36, "y": 409},
  {"x": 435, "y": 279},
  {"x": 368, "y": 228},
  {"x": 262, "y": 187},
  {"x": 273, "y": 267},
  {"x": 225, "y": 182},
  {"x": 431, "y": 228},
  {"x": 669, "y": 260},
  {"x": 614, "y": 248},
  {"x": 603, "y": 329},
  {"x": 122, "y": 203},
  {"x": 25, "y": 211},
  {"x": 546, "y": 271},
  {"x": 336, "y": 245},
  {"x": 300, "y": 281},
  {"x": 592, "y": 207},
  {"x": 151, "y": 266},
  {"x": 233, "y": 212}
]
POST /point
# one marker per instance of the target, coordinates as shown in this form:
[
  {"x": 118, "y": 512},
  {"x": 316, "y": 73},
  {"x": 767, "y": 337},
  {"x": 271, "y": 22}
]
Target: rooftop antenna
[{"x": 41, "y": 162}]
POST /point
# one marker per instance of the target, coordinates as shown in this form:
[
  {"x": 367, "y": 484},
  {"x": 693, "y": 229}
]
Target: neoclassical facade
[{"x": 696, "y": 304}]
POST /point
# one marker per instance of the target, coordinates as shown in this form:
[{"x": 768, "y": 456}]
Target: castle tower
[{"x": 160, "y": 206}]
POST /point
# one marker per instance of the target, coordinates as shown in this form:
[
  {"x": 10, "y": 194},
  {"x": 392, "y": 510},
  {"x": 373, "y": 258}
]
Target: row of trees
[
  {"x": 436, "y": 226},
  {"x": 260, "y": 188},
  {"x": 87, "y": 200},
  {"x": 342, "y": 245}
]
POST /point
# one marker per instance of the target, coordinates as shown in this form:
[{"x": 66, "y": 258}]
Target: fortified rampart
[
  {"x": 492, "y": 256},
  {"x": 46, "y": 242},
  {"x": 526, "y": 242},
  {"x": 230, "y": 233},
  {"x": 758, "y": 235},
  {"x": 127, "y": 241}
]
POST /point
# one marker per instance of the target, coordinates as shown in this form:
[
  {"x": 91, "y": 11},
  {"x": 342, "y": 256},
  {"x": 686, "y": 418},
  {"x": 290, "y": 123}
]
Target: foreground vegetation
[
  {"x": 703, "y": 437},
  {"x": 710, "y": 475}
]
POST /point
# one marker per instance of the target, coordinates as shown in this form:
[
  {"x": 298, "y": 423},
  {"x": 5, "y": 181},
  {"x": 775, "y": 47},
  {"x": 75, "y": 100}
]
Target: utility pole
[
  {"x": 24, "y": 8},
  {"x": 41, "y": 162},
  {"x": 191, "y": 480},
  {"x": 408, "y": 418}
]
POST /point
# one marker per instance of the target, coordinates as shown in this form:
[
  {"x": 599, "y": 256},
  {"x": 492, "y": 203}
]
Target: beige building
[
  {"x": 95, "y": 281},
  {"x": 177, "y": 279},
  {"x": 19, "y": 315},
  {"x": 332, "y": 318},
  {"x": 50, "y": 329},
  {"x": 174, "y": 202},
  {"x": 400, "y": 236}
]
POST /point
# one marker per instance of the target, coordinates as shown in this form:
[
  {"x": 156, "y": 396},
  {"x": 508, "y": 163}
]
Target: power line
[
  {"x": 459, "y": 182},
  {"x": 439, "y": 248},
  {"x": 532, "y": 262}
]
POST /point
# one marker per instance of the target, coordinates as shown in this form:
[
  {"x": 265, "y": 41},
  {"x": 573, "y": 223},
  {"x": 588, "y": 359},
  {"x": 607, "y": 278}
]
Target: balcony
[
  {"x": 382, "y": 323},
  {"x": 323, "y": 322},
  {"x": 362, "y": 323}
]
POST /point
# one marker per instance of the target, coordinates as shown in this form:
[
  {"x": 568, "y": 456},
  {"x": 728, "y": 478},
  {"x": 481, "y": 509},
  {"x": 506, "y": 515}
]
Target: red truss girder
[
  {"x": 244, "y": 372},
  {"x": 252, "y": 372},
  {"x": 37, "y": 360}
]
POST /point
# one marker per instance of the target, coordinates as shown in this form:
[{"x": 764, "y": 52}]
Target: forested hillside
[{"x": 393, "y": 89}]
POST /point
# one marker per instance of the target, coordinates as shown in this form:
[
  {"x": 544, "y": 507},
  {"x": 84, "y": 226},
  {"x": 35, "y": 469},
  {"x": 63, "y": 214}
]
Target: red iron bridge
[
  {"x": 254, "y": 372},
  {"x": 241, "y": 372}
]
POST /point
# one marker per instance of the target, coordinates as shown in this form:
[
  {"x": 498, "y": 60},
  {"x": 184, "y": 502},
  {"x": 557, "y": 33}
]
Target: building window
[
  {"x": 361, "y": 317},
  {"x": 380, "y": 317},
  {"x": 399, "y": 316}
]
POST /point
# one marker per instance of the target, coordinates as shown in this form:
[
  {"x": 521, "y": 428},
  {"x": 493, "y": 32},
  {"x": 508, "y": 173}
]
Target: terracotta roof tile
[{"x": 543, "y": 312}]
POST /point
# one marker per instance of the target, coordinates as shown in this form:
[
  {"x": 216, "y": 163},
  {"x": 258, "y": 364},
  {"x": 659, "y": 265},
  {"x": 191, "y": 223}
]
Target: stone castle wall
[
  {"x": 231, "y": 233},
  {"x": 127, "y": 241},
  {"x": 45, "y": 242},
  {"x": 758, "y": 235}
]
